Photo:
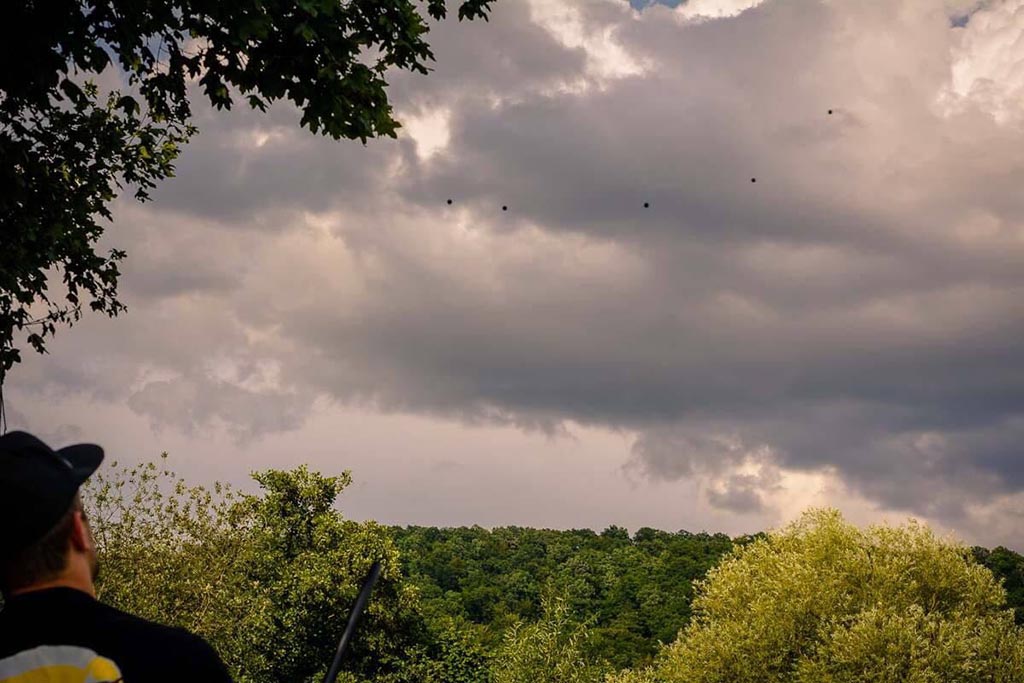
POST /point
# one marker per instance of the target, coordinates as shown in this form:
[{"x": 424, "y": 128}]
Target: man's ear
[{"x": 81, "y": 538}]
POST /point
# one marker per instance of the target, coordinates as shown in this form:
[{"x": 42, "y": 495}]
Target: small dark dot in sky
[
  {"x": 753, "y": 180},
  {"x": 646, "y": 204},
  {"x": 449, "y": 201},
  {"x": 830, "y": 112},
  {"x": 504, "y": 208}
]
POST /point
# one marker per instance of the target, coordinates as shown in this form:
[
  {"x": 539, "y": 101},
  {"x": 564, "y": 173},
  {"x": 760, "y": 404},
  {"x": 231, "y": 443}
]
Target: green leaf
[{"x": 128, "y": 104}]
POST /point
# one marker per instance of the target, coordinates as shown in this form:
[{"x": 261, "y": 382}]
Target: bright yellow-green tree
[
  {"x": 822, "y": 601},
  {"x": 549, "y": 650},
  {"x": 268, "y": 579}
]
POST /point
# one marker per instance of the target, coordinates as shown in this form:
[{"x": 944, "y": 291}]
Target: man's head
[
  {"x": 45, "y": 538},
  {"x": 68, "y": 550}
]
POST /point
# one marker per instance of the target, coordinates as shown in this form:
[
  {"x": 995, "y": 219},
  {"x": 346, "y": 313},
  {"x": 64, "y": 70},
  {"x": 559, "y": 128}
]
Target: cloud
[
  {"x": 644, "y": 4},
  {"x": 988, "y": 70},
  {"x": 850, "y": 322},
  {"x": 715, "y": 9}
]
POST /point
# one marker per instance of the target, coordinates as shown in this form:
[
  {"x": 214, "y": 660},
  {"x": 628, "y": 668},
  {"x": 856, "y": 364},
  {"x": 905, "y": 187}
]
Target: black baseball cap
[{"x": 37, "y": 485}]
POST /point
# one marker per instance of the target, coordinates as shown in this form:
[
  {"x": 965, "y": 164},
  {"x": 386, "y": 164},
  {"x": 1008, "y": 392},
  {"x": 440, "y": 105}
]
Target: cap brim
[{"x": 84, "y": 459}]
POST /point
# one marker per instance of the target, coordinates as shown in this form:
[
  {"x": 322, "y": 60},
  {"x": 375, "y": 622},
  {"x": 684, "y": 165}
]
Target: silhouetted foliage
[
  {"x": 67, "y": 148},
  {"x": 1007, "y": 566}
]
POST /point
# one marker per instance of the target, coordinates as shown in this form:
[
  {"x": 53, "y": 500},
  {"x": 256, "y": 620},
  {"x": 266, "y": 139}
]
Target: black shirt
[{"x": 57, "y": 628}]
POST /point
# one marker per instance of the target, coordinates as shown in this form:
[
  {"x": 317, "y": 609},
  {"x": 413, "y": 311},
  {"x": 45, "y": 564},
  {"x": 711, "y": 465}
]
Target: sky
[{"x": 813, "y": 308}]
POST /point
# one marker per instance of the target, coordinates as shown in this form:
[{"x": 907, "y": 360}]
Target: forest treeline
[
  {"x": 636, "y": 589},
  {"x": 268, "y": 579}
]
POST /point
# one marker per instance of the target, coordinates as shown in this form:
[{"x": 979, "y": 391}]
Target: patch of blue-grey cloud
[
  {"x": 961, "y": 14},
  {"x": 644, "y": 4}
]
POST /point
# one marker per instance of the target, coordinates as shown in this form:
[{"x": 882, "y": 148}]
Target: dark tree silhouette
[{"x": 67, "y": 149}]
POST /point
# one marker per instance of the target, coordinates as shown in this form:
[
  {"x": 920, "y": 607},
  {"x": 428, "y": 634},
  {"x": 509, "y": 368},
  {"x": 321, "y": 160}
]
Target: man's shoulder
[
  {"x": 142, "y": 649},
  {"x": 123, "y": 622},
  {"x": 143, "y": 643},
  {"x": 150, "y": 636}
]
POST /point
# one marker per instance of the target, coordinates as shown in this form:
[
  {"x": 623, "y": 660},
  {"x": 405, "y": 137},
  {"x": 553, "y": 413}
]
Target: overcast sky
[{"x": 847, "y": 330}]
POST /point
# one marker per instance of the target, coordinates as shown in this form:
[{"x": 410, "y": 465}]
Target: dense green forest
[
  {"x": 268, "y": 579},
  {"x": 635, "y": 589},
  {"x": 1008, "y": 567}
]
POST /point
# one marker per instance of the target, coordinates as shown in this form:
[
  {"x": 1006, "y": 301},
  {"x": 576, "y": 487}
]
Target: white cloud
[
  {"x": 429, "y": 129},
  {"x": 568, "y": 23},
  {"x": 988, "y": 62},
  {"x": 714, "y": 9}
]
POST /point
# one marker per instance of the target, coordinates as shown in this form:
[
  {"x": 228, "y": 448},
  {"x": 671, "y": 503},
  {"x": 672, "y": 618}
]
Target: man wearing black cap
[{"x": 52, "y": 628}]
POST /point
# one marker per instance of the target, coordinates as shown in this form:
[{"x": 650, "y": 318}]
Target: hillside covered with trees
[
  {"x": 634, "y": 591},
  {"x": 269, "y": 579}
]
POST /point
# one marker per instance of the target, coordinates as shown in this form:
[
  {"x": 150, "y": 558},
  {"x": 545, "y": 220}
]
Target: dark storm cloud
[
  {"x": 741, "y": 495},
  {"x": 883, "y": 324},
  {"x": 508, "y": 56},
  {"x": 857, "y": 310},
  {"x": 256, "y": 170}
]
